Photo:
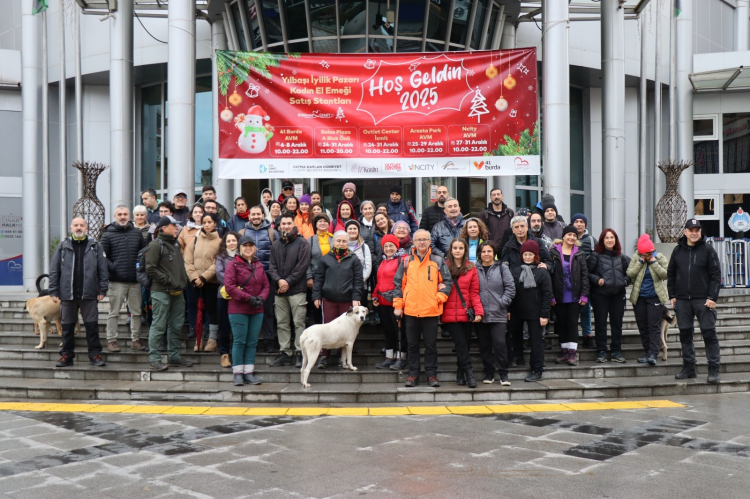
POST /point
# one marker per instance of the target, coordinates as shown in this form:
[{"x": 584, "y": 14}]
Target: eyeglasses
[{"x": 421, "y": 240}]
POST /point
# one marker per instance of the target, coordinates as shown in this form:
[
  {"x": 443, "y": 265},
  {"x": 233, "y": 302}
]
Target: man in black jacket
[
  {"x": 290, "y": 258},
  {"x": 435, "y": 213},
  {"x": 512, "y": 250},
  {"x": 78, "y": 279},
  {"x": 121, "y": 242},
  {"x": 693, "y": 281},
  {"x": 181, "y": 210},
  {"x": 497, "y": 217}
]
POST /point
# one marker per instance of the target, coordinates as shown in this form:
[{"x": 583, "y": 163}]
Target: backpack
[{"x": 140, "y": 265}]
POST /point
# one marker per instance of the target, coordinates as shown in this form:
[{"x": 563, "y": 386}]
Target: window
[
  {"x": 704, "y": 127},
  {"x": 736, "y": 142}
]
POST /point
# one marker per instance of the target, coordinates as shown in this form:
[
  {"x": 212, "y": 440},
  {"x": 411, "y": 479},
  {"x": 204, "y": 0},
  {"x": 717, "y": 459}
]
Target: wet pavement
[{"x": 702, "y": 450}]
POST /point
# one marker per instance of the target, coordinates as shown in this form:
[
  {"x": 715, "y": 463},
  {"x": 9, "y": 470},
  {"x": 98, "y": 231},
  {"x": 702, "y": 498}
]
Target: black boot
[
  {"x": 688, "y": 371},
  {"x": 470, "y": 378},
  {"x": 460, "y": 378}
]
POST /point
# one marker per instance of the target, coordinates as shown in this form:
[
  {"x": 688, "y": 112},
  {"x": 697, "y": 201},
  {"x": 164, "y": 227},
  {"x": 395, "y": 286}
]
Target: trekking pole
[{"x": 400, "y": 353}]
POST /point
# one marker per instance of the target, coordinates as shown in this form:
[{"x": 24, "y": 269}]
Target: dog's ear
[{"x": 349, "y": 312}]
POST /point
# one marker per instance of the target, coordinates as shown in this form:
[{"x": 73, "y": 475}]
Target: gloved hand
[{"x": 256, "y": 302}]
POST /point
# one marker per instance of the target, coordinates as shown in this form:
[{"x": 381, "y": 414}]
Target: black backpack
[{"x": 140, "y": 265}]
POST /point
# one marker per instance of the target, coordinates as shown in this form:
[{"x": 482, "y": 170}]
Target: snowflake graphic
[
  {"x": 324, "y": 64},
  {"x": 294, "y": 73},
  {"x": 267, "y": 91},
  {"x": 531, "y": 88},
  {"x": 527, "y": 115},
  {"x": 471, "y": 72}
]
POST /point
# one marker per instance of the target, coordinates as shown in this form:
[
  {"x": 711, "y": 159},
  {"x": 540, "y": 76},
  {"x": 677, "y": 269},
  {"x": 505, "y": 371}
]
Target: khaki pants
[
  {"x": 290, "y": 308},
  {"x": 119, "y": 292}
]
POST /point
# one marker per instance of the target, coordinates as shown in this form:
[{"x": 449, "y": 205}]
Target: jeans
[
  {"x": 425, "y": 329},
  {"x": 129, "y": 292},
  {"x": 225, "y": 327},
  {"x": 516, "y": 325},
  {"x": 461, "y": 334},
  {"x": 492, "y": 346},
  {"x": 586, "y": 319},
  {"x": 686, "y": 310},
  {"x": 169, "y": 316},
  {"x": 614, "y": 306},
  {"x": 648, "y": 317},
  {"x": 290, "y": 308},
  {"x": 69, "y": 318},
  {"x": 246, "y": 330}
]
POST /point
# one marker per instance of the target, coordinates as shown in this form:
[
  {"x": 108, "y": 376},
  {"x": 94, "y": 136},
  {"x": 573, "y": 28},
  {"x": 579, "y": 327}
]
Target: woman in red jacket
[
  {"x": 381, "y": 298},
  {"x": 464, "y": 296},
  {"x": 247, "y": 285}
]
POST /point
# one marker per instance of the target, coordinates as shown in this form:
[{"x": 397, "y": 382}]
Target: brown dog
[{"x": 43, "y": 312}]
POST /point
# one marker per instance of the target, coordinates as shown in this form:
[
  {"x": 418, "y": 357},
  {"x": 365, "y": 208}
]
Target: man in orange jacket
[{"x": 423, "y": 284}]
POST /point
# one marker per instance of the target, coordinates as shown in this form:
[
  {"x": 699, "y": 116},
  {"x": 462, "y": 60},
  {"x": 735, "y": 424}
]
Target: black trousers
[
  {"x": 536, "y": 340},
  {"x": 225, "y": 328},
  {"x": 566, "y": 324},
  {"x": 69, "y": 318},
  {"x": 425, "y": 329},
  {"x": 686, "y": 310},
  {"x": 461, "y": 334},
  {"x": 648, "y": 317},
  {"x": 209, "y": 293},
  {"x": 267, "y": 330},
  {"x": 614, "y": 307},
  {"x": 492, "y": 348},
  {"x": 391, "y": 329}
]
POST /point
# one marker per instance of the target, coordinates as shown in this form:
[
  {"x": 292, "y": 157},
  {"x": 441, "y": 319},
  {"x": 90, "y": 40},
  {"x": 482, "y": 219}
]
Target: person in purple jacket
[{"x": 246, "y": 283}]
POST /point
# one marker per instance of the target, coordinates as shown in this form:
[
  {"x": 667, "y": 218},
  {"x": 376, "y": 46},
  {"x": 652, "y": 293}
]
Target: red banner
[{"x": 383, "y": 115}]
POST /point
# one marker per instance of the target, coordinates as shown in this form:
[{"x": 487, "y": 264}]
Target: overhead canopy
[{"x": 721, "y": 80}]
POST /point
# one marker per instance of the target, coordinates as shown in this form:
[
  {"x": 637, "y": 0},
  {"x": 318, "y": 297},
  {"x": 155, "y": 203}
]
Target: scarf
[
  {"x": 527, "y": 277},
  {"x": 192, "y": 225},
  {"x": 340, "y": 253},
  {"x": 231, "y": 253},
  {"x": 405, "y": 242},
  {"x": 455, "y": 222},
  {"x": 243, "y": 215},
  {"x": 325, "y": 246},
  {"x": 364, "y": 221},
  {"x": 353, "y": 245},
  {"x": 288, "y": 237},
  {"x": 398, "y": 254}
]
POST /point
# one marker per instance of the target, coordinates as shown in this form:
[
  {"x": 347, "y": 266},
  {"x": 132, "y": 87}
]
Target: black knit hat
[
  {"x": 568, "y": 229},
  {"x": 397, "y": 189},
  {"x": 547, "y": 206},
  {"x": 351, "y": 222},
  {"x": 320, "y": 216}
]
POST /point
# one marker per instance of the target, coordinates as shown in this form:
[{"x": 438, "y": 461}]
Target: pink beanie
[
  {"x": 645, "y": 245},
  {"x": 349, "y": 185}
]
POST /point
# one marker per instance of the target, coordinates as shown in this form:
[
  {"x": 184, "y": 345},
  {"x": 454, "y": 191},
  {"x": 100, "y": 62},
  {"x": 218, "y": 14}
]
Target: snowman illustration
[{"x": 255, "y": 136}]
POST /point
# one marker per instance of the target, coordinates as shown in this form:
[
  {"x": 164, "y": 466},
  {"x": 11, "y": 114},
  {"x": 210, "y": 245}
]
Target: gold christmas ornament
[
  {"x": 491, "y": 72},
  {"x": 235, "y": 99},
  {"x": 509, "y": 82}
]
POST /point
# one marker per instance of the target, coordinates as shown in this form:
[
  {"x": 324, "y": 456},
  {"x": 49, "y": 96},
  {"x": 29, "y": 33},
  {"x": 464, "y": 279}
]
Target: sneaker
[
  {"x": 434, "y": 383},
  {"x": 112, "y": 346},
  {"x": 411, "y": 382},
  {"x": 239, "y": 379},
  {"x": 572, "y": 357},
  {"x": 385, "y": 364},
  {"x": 713, "y": 375},
  {"x": 489, "y": 378},
  {"x": 158, "y": 366},
  {"x": 180, "y": 363},
  {"x": 322, "y": 362},
  {"x": 137, "y": 345},
  {"x": 399, "y": 365},
  {"x": 602, "y": 357},
  {"x": 97, "y": 361},
  {"x": 225, "y": 362},
  {"x": 282, "y": 360},
  {"x": 562, "y": 357},
  {"x": 686, "y": 373},
  {"x": 504, "y": 381},
  {"x": 588, "y": 342},
  {"x": 533, "y": 377},
  {"x": 250, "y": 379},
  {"x": 651, "y": 360},
  {"x": 617, "y": 357},
  {"x": 65, "y": 361},
  {"x": 298, "y": 360},
  {"x": 643, "y": 360}
]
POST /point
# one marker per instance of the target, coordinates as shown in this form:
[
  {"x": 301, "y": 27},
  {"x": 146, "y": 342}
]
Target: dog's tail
[{"x": 42, "y": 292}]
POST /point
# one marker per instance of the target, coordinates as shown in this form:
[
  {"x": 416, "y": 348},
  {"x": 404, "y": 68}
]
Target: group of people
[{"x": 270, "y": 270}]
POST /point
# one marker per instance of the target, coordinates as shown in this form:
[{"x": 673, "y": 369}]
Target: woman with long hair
[
  {"x": 241, "y": 213},
  {"x": 274, "y": 212},
  {"x": 290, "y": 205},
  {"x": 383, "y": 226},
  {"x": 349, "y": 194},
  {"x": 570, "y": 283},
  {"x": 464, "y": 298},
  {"x": 187, "y": 234},
  {"x": 316, "y": 209},
  {"x": 227, "y": 251},
  {"x": 382, "y": 300},
  {"x": 608, "y": 278},
  {"x": 266, "y": 195},
  {"x": 246, "y": 282},
  {"x": 304, "y": 220},
  {"x": 344, "y": 213},
  {"x": 358, "y": 247},
  {"x": 474, "y": 232}
]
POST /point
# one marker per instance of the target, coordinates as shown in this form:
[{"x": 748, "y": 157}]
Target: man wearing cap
[
  {"x": 166, "y": 268},
  {"x": 497, "y": 217},
  {"x": 434, "y": 214},
  {"x": 287, "y": 189},
  {"x": 181, "y": 211},
  {"x": 401, "y": 211},
  {"x": 588, "y": 242},
  {"x": 693, "y": 281}
]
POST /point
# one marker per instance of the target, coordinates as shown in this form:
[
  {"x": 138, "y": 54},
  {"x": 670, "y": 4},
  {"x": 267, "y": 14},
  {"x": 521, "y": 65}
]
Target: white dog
[{"x": 339, "y": 333}]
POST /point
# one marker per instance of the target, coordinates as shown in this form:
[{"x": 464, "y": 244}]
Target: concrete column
[
  {"x": 181, "y": 96},
  {"x": 507, "y": 183},
  {"x": 685, "y": 102},
  {"x": 556, "y": 104},
  {"x": 218, "y": 42},
  {"x": 643, "y": 168},
  {"x": 613, "y": 115},
  {"x": 31, "y": 96},
  {"x": 741, "y": 20},
  {"x": 64, "y": 206},
  {"x": 121, "y": 108}
]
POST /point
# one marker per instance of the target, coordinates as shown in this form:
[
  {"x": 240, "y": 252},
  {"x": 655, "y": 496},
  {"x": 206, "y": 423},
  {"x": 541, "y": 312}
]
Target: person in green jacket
[{"x": 166, "y": 268}]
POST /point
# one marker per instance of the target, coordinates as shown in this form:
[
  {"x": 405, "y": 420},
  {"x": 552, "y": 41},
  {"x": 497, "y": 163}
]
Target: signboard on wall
[
  {"x": 11, "y": 245},
  {"x": 467, "y": 114}
]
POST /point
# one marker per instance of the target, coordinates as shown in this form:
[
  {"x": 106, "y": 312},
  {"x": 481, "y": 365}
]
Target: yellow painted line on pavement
[{"x": 340, "y": 411}]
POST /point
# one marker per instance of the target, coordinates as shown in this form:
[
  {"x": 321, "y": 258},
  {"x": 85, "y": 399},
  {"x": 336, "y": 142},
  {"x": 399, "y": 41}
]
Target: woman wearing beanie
[
  {"x": 320, "y": 245},
  {"x": 382, "y": 299},
  {"x": 344, "y": 213},
  {"x": 349, "y": 193},
  {"x": 649, "y": 296},
  {"x": 570, "y": 282},
  {"x": 228, "y": 249},
  {"x": 531, "y": 307},
  {"x": 358, "y": 247},
  {"x": 608, "y": 277},
  {"x": 496, "y": 292},
  {"x": 337, "y": 284},
  {"x": 464, "y": 297},
  {"x": 303, "y": 220},
  {"x": 246, "y": 283},
  {"x": 240, "y": 217}
]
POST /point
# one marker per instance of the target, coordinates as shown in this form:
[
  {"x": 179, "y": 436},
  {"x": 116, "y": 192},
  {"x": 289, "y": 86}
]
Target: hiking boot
[
  {"x": 602, "y": 357},
  {"x": 112, "y": 346},
  {"x": 298, "y": 360},
  {"x": 411, "y": 382},
  {"x": 250, "y": 379},
  {"x": 713, "y": 375},
  {"x": 617, "y": 357},
  {"x": 323, "y": 362},
  {"x": 572, "y": 357},
  {"x": 341, "y": 362},
  {"x": 385, "y": 364},
  {"x": 470, "y": 380},
  {"x": 504, "y": 381},
  {"x": 158, "y": 366},
  {"x": 137, "y": 345},
  {"x": 651, "y": 359},
  {"x": 97, "y": 361},
  {"x": 588, "y": 342},
  {"x": 434, "y": 383},
  {"x": 225, "y": 362},
  {"x": 211, "y": 346},
  {"x": 489, "y": 378},
  {"x": 180, "y": 363},
  {"x": 533, "y": 377},
  {"x": 562, "y": 357},
  {"x": 686, "y": 373},
  {"x": 282, "y": 360},
  {"x": 239, "y": 379},
  {"x": 65, "y": 361},
  {"x": 399, "y": 365},
  {"x": 460, "y": 378}
]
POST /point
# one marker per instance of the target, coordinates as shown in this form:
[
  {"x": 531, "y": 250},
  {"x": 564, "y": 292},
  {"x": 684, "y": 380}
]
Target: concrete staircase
[{"x": 27, "y": 373}]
